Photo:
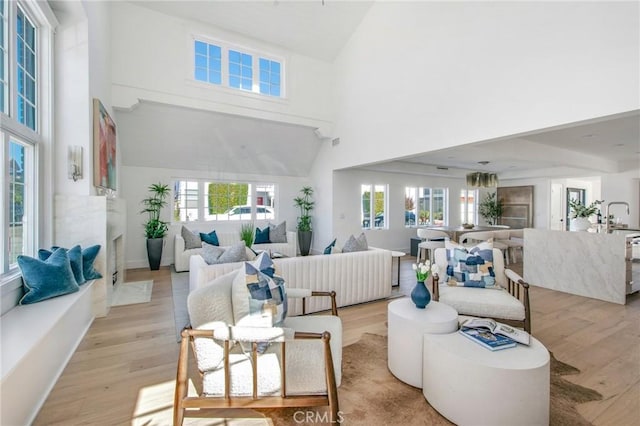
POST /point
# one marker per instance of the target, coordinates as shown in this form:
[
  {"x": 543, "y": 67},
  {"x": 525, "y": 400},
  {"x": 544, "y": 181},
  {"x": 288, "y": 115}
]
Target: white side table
[
  {"x": 471, "y": 385},
  {"x": 398, "y": 255},
  {"x": 406, "y": 327}
]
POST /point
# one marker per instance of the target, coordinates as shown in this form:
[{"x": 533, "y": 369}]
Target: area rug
[
  {"x": 371, "y": 395},
  {"x": 132, "y": 293},
  {"x": 180, "y": 291}
]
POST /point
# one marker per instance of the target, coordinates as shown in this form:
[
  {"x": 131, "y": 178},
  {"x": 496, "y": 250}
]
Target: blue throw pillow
[
  {"x": 75, "y": 258},
  {"x": 88, "y": 257},
  {"x": 262, "y": 236},
  {"x": 210, "y": 238},
  {"x": 46, "y": 279},
  {"x": 328, "y": 249}
]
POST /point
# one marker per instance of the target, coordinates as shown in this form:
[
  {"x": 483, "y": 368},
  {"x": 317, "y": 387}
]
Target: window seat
[{"x": 36, "y": 343}]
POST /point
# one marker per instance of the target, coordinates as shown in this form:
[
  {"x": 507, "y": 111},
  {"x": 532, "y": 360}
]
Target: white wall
[
  {"x": 419, "y": 76},
  {"x": 138, "y": 179},
  {"x": 153, "y": 57},
  {"x": 346, "y": 210},
  {"x": 541, "y": 198},
  {"x": 623, "y": 187}
]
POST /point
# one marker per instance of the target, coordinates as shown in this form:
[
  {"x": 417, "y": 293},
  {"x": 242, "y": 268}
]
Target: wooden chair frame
[
  {"x": 515, "y": 288},
  {"x": 183, "y": 402}
]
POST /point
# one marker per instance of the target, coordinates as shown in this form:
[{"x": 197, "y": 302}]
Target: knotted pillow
[
  {"x": 45, "y": 279},
  {"x": 471, "y": 267},
  {"x": 356, "y": 244}
]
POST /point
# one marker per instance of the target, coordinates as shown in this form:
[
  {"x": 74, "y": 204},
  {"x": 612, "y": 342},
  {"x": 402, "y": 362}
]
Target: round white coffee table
[
  {"x": 471, "y": 385},
  {"x": 407, "y": 326}
]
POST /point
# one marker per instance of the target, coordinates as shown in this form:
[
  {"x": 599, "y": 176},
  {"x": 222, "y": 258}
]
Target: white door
[{"x": 556, "y": 217}]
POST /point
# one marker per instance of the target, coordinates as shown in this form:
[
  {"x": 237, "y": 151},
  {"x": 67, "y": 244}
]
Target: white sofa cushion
[{"x": 482, "y": 303}]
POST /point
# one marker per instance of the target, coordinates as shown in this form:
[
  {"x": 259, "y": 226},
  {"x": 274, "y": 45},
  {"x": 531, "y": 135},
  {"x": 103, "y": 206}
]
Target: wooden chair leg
[{"x": 181, "y": 380}]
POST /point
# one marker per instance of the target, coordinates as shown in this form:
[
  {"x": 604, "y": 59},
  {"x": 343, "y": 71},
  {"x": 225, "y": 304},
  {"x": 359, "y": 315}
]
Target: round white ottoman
[
  {"x": 406, "y": 327},
  {"x": 471, "y": 385}
]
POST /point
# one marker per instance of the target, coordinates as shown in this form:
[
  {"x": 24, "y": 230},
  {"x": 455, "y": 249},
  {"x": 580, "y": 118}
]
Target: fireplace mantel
[{"x": 90, "y": 220}]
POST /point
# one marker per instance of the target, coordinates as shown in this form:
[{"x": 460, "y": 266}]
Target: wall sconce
[{"x": 74, "y": 162}]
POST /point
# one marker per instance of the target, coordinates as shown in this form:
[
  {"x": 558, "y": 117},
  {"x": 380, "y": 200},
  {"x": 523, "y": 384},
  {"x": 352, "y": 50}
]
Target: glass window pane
[
  {"x": 17, "y": 200},
  {"x": 201, "y": 61},
  {"x": 215, "y": 64},
  {"x": 246, "y": 72},
  {"x": 275, "y": 91},
  {"x": 275, "y": 67},
  {"x": 31, "y": 90},
  {"x": 264, "y": 64},
  {"x": 215, "y": 77},
  {"x": 31, "y": 117},
  {"x": 201, "y": 48},
  {"x": 275, "y": 79},
  {"x": 234, "y": 82},
  {"x": 264, "y": 88},
  {"x": 246, "y": 60},
  {"x": 215, "y": 51},
  {"x": 264, "y": 76},
  {"x": 201, "y": 74},
  {"x": 246, "y": 84},
  {"x": 234, "y": 69},
  {"x": 234, "y": 56},
  {"x": 365, "y": 191}
]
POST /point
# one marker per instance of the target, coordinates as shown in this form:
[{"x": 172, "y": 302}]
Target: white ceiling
[
  {"x": 607, "y": 145},
  {"x": 173, "y": 137},
  {"x": 314, "y": 28}
]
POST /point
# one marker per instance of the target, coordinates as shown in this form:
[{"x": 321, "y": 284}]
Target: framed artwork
[{"x": 104, "y": 147}]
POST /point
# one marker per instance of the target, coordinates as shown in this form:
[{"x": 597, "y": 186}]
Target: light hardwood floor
[{"x": 123, "y": 371}]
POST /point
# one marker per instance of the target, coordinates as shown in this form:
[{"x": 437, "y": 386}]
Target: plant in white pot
[
  {"x": 305, "y": 231},
  {"x": 154, "y": 228},
  {"x": 580, "y": 214}
]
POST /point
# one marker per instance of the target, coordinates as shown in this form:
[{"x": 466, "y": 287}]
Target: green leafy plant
[
  {"x": 305, "y": 204},
  {"x": 154, "y": 227},
  {"x": 580, "y": 210},
  {"x": 247, "y": 233},
  {"x": 490, "y": 208}
]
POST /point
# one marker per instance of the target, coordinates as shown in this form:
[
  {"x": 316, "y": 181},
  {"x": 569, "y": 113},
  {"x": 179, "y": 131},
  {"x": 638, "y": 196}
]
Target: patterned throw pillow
[
  {"x": 278, "y": 233},
  {"x": 262, "y": 236},
  {"x": 258, "y": 294},
  {"x": 191, "y": 239},
  {"x": 472, "y": 267},
  {"x": 330, "y": 247},
  {"x": 46, "y": 279},
  {"x": 355, "y": 244},
  {"x": 75, "y": 258},
  {"x": 210, "y": 238}
]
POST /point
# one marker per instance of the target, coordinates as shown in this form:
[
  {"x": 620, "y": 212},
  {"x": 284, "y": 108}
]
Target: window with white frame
[
  {"x": 373, "y": 203},
  {"x": 26, "y": 35},
  {"x": 426, "y": 206},
  {"x": 222, "y": 64},
  {"x": 469, "y": 206},
  {"x": 199, "y": 200}
]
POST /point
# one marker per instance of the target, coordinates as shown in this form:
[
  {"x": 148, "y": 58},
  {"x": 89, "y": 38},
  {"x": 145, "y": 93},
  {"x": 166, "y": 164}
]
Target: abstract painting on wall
[{"x": 104, "y": 147}]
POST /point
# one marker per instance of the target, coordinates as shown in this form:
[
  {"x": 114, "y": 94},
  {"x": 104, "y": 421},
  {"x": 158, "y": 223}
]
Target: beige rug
[
  {"x": 132, "y": 293},
  {"x": 371, "y": 395}
]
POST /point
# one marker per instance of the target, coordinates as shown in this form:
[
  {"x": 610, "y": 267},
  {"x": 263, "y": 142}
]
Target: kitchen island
[{"x": 596, "y": 265}]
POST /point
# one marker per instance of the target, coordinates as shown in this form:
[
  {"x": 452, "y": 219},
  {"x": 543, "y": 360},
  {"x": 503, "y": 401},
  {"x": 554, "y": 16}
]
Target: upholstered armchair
[
  {"x": 242, "y": 365},
  {"x": 508, "y": 303}
]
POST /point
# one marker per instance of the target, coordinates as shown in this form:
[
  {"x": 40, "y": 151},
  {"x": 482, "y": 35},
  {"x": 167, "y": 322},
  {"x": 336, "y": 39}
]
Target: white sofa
[
  {"x": 181, "y": 256},
  {"x": 355, "y": 277}
]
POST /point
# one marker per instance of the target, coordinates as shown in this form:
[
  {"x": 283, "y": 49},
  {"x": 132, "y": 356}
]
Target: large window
[
  {"x": 222, "y": 201},
  {"x": 469, "y": 206},
  {"x": 225, "y": 65},
  {"x": 25, "y": 112},
  {"x": 374, "y": 205},
  {"x": 425, "y": 206}
]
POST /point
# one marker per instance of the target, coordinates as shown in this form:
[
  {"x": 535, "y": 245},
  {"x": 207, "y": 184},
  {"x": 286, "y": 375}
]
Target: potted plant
[
  {"x": 247, "y": 233},
  {"x": 305, "y": 231},
  {"x": 154, "y": 228},
  {"x": 580, "y": 214},
  {"x": 490, "y": 208}
]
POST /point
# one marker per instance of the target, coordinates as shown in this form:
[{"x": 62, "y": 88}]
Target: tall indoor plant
[
  {"x": 490, "y": 208},
  {"x": 305, "y": 231},
  {"x": 154, "y": 228}
]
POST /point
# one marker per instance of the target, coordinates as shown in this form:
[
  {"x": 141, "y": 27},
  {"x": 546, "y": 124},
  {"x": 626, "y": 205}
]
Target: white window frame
[
  {"x": 201, "y": 200},
  {"x": 445, "y": 214},
  {"x": 256, "y": 54},
  {"x": 38, "y": 159},
  {"x": 464, "y": 206},
  {"x": 370, "y": 222}
]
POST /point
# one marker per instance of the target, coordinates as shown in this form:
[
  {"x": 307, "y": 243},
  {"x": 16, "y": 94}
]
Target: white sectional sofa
[
  {"x": 355, "y": 277},
  {"x": 181, "y": 256}
]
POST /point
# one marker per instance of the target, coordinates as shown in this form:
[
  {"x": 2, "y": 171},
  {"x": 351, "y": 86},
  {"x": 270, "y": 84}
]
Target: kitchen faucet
[{"x": 606, "y": 212}]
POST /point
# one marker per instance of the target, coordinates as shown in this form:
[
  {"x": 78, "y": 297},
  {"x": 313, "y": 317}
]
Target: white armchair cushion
[{"x": 482, "y": 303}]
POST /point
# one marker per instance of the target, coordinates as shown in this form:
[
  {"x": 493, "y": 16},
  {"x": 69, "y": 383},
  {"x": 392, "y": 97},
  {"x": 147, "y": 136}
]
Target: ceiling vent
[{"x": 442, "y": 168}]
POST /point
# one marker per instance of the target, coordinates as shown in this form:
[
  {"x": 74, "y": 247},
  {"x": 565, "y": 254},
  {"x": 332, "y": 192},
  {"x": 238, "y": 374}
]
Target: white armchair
[
  {"x": 300, "y": 367},
  {"x": 509, "y": 303}
]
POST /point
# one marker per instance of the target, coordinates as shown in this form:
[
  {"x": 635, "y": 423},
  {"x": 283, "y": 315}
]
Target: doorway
[{"x": 574, "y": 194}]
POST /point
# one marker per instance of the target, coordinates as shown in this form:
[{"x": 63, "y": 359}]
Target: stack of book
[{"x": 492, "y": 334}]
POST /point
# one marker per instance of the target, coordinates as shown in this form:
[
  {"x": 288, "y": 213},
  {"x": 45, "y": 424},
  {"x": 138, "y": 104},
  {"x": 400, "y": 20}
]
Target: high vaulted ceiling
[{"x": 315, "y": 28}]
